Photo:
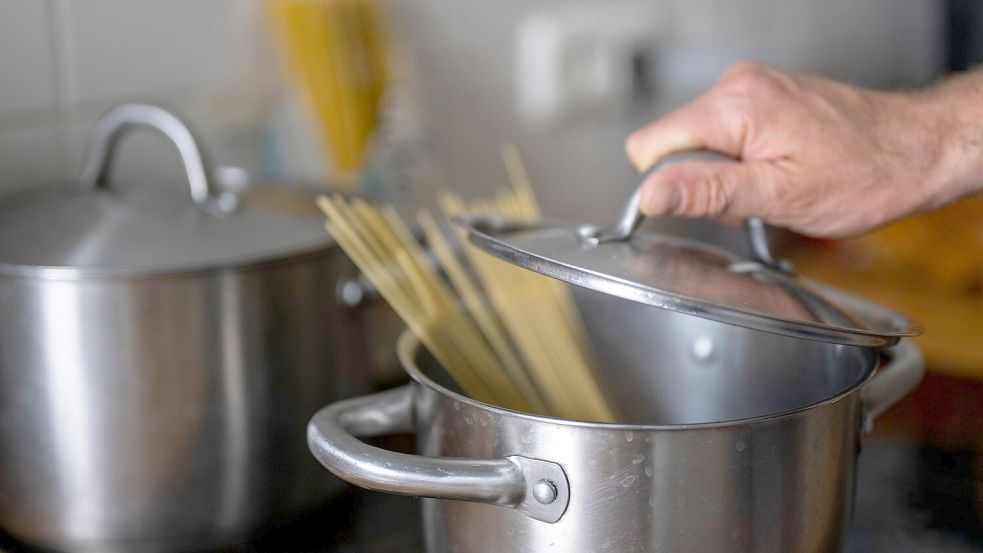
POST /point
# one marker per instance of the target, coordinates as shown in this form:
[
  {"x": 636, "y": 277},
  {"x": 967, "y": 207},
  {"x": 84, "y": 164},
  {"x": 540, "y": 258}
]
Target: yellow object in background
[
  {"x": 930, "y": 267},
  {"x": 336, "y": 51},
  {"x": 506, "y": 335},
  {"x": 941, "y": 250}
]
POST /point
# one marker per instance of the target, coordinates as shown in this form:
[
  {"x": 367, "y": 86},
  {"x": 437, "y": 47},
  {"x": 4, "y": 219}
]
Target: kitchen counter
[{"x": 920, "y": 490}]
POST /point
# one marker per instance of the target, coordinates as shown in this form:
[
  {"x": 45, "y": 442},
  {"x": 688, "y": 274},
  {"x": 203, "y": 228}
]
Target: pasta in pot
[{"x": 507, "y": 336}]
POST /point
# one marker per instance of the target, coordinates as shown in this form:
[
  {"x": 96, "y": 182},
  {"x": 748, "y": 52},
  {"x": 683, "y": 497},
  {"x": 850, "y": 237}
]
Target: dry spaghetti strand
[{"x": 506, "y": 335}]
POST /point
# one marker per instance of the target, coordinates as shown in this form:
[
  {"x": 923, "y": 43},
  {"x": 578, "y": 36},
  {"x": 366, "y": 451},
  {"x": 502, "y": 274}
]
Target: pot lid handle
[
  {"x": 111, "y": 127},
  {"x": 631, "y": 217}
]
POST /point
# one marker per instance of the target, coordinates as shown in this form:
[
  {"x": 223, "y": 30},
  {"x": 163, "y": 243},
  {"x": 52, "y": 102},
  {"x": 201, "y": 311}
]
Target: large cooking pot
[
  {"x": 743, "y": 392},
  {"x": 160, "y": 354},
  {"x": 731, "y": 452}
]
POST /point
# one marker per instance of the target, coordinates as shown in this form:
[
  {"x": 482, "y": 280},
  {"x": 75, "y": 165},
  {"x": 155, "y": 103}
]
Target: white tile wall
[
  {"x": 135, "y": 47},
  {"x": 30, "y": 154},
  {"x": 463, "y": 51},
  {"x": 881, "y": 43},
  {"x": 30, "y": 140},
  {"x": 26, "y": 73},
  {"x": 226, "y": 136},
  {"x": 63, "y": 63}
]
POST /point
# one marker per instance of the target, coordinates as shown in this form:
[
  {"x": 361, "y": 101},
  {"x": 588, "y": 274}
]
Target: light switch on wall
[{"x": 575, "y": 60}]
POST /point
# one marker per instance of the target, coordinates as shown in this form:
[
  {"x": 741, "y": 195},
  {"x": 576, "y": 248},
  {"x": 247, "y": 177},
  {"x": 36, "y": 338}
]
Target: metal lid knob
[
  {"x": 631, "y": 217},
  {"x": 108, "y": 131}
]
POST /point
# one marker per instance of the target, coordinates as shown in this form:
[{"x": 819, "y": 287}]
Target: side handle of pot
[
  {"x": 900, "y": 375},
  {"x": 539, "y": 489}
]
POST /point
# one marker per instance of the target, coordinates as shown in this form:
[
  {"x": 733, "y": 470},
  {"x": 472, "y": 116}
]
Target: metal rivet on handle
[
  {"x": 351, "y": 293},
  {"x": 544, "y": 491}
]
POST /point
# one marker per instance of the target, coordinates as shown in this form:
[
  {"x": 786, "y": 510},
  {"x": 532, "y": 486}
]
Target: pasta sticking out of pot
[{"x": 507, "y": 336}]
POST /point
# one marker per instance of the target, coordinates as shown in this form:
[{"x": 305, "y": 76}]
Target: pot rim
[
  {"x": 81, "y": 274},
  {"x": 408, "y": 346}
]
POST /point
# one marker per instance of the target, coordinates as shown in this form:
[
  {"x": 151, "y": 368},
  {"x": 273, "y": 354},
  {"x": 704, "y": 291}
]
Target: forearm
[{"x": 955, "y": 109}]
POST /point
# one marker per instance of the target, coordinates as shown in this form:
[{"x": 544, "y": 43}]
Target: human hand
[{"x": 818, "y": 157}]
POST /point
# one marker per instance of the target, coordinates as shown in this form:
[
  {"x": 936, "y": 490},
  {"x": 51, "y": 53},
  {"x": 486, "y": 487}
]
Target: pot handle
[
  {"x": 631, "y": 216},
  {"x": 538, "y": 489},
  {"x": 895, "y": 379},
  {"x": 111, "y": 127}
]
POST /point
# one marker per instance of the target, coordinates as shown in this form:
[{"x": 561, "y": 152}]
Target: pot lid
[
  {"x": 132, "y": 229},
  {"x": 691, "y": 277}
]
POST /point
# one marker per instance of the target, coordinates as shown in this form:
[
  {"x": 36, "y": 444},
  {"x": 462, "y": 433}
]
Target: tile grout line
[{"x": 65, "y": 80}]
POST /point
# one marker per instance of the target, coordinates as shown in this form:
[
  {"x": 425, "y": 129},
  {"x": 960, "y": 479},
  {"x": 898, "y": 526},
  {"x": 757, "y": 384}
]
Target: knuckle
[
  {"x": 749, "y": 78},
  {"x": 685, "y": 205},
  {"x": 718, "y": 192},
  {"x": 707, "y": 197},
  {"x": 743, "y": 68}
]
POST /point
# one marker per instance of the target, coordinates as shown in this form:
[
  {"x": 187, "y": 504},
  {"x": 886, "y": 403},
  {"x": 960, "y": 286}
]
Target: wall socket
[{"x": 576, "y": 60}]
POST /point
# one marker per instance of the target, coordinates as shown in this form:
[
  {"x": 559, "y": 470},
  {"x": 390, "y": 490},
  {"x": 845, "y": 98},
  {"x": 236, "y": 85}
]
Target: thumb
[{"x": 710, "y": 189}]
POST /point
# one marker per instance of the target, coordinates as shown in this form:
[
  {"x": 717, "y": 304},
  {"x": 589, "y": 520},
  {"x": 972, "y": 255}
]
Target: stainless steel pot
[
  {"x": 160, "y": 353},
  {"x": 736, "y": 441},
  {"x": 743, "y": 390}
]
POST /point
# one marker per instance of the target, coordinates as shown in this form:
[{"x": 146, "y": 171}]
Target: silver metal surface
[
  {"x": 511, "y": 480},
  {"x": 168, "y": 413},
  {"x": 356, "y": 291},
  {"x": 93, "y": 229},
  {"x": 753, "y": 452},
  {"x": 544, "y": 492},
  {"x": 688, "y": 277},
  {"x": 762, "y": 293},
  {"x": 112, "y": 126},
  {"x": 631, "y": 215},
  {"x": 757, "y": 241},
  {"x": 896, "y": 380},
  {"x": 146, "y": 408}
]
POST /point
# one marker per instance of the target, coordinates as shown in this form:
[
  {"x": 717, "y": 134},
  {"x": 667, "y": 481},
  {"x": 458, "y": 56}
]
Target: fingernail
[
  {"x": 641, "y": 164},
  {"x": 662, "y": 199}
]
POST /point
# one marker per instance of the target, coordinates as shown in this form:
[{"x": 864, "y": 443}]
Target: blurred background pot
[{"x": 160, "y": 353}]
